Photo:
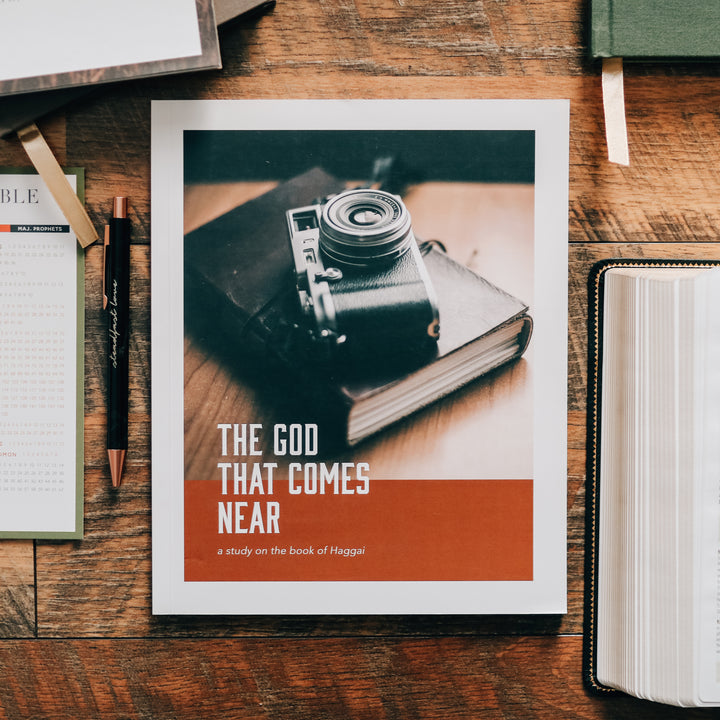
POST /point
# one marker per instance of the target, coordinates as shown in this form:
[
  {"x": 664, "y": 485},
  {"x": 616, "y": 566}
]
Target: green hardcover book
[{"x": 655, "y": 28}]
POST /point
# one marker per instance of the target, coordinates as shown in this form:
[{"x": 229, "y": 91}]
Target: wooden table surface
[{"x": 78, "y": 638}]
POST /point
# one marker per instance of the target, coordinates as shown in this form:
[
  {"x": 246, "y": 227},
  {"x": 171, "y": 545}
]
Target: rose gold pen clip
[{"x": 106, "y": 245}]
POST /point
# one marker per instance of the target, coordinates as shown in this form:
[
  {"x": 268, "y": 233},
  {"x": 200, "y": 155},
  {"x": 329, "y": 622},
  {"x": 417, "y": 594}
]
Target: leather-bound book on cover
[{"x": 242, "y": 302}]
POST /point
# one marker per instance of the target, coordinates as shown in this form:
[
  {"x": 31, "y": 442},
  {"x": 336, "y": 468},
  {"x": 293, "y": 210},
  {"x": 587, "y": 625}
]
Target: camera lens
[{"x": 363, "y": 227}]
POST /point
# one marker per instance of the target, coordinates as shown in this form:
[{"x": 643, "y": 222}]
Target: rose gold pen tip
[
  {"x": 117, "y": 460},
  {"x": 120, "y": 205}
]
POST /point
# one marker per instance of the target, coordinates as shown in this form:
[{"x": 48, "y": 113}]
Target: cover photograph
[{"x": 359, "y": 314}]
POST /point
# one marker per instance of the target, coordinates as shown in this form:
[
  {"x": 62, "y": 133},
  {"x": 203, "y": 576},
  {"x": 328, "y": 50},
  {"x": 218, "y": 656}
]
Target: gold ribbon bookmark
[{"x": 50, "y": 171}]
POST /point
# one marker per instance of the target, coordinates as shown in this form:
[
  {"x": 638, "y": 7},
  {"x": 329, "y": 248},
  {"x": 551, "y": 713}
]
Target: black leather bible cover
[{"x": 596, "y": 299}]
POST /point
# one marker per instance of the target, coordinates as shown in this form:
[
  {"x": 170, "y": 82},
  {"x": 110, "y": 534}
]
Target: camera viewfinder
[{"x": 305, "y": 221}]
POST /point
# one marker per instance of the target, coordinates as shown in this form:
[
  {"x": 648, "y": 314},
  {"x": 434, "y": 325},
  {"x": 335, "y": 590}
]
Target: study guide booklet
[
  {"x": 41, "y": 375},
  {"x": 359, "y": 323}
]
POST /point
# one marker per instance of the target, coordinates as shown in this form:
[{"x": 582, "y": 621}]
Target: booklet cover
[{"x": 299, "y": 247}]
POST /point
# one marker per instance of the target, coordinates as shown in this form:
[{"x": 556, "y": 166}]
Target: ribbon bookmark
[
  {"x": 50, "y": 171},
  {"x": 614, "y": 105}
]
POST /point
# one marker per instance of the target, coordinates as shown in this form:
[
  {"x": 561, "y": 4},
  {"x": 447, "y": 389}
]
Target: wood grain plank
[
  {"x": 576, "y": 518},
  {"x": 382, "y": 679},
  {"x": 17, "y": 589},
  {"x": 400, "y": 37},
  {"x": 54, "y": 131}
]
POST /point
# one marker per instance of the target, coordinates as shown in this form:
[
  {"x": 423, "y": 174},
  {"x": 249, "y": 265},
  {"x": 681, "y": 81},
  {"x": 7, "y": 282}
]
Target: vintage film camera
[{"x": 361, "y": 280}]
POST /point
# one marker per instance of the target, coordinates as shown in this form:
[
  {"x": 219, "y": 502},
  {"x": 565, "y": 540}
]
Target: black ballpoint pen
[{"x": 116, "y": 301}]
